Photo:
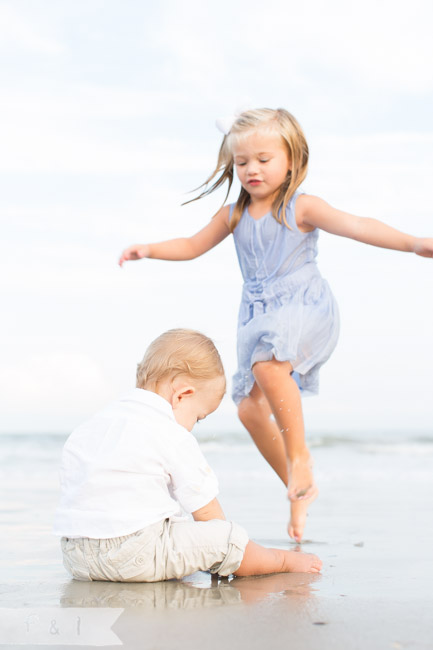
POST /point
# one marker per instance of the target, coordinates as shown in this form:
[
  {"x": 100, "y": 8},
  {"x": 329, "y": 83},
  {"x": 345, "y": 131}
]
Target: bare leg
[
  {"x": 282, "y": 441},
  {"x": 282, "y": 393},
  {"x": 259, "y": 560},
  {"x": 255, "y": 413}
]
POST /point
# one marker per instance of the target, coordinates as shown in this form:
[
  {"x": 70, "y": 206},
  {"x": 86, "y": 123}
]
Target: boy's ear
[{"x": 181, "y": 394}]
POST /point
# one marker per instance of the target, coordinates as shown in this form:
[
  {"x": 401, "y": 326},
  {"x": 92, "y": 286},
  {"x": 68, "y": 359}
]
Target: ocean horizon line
[{"x": 315, "y": 438}]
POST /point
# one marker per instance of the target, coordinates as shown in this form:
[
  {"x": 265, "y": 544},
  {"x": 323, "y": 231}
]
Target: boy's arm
[{"x": 211, "y": 510}]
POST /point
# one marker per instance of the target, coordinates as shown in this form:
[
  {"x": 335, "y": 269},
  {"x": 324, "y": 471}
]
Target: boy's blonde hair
[
  {"x": 179, "y": 352},
  {"x": 275, "y": 122}
]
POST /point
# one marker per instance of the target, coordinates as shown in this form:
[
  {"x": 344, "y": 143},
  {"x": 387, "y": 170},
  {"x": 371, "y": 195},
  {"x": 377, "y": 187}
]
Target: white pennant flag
[{"x": 59, "y": 626}]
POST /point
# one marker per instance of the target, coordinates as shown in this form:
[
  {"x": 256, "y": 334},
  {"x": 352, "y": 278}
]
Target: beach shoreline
[{"x": 372, "y": 527}]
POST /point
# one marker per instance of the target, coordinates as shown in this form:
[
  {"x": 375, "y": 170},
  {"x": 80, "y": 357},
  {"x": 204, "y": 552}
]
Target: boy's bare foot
[
  {"x": 298, "y": 514},
  {"x": 301, "y": 482},
  {"x": 295, "y": 562}
]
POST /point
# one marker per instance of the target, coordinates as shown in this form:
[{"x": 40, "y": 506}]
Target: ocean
[{"x": 372, "y": 526}]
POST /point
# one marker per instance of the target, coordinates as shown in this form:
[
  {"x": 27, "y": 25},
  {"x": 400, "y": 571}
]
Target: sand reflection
[{"x": 200, "y": 590}]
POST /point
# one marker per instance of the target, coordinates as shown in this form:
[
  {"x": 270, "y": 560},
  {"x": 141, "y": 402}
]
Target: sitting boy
[{"x": 126, "y": 472}]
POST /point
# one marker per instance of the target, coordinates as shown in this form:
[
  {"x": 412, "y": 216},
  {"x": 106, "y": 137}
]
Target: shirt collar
[{"x": 149, "y": 398}]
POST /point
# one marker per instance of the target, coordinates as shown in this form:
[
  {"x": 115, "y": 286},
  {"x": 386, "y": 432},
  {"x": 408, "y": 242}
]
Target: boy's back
[{"x": 130, "y": 466}]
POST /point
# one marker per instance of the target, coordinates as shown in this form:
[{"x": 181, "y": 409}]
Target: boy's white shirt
[{"x": 130, "y": 466}]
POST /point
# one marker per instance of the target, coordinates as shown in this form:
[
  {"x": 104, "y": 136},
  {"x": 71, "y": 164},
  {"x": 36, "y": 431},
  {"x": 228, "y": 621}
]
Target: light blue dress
[{"x": 287, "y": 309}]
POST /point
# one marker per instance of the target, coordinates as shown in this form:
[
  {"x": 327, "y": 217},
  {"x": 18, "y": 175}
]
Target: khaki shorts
[{"x": 165, "y": 550}]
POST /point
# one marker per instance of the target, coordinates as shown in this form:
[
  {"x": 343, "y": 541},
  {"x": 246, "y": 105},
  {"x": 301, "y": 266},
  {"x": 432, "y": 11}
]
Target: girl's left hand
[{"x": 424, "y": 247}]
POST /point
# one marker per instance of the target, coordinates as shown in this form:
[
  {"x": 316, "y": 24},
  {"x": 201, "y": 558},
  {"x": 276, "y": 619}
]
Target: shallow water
[{"x": 372, "y": 526}]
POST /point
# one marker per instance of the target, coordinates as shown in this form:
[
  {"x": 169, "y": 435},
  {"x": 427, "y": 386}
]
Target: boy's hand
[
  {"x": 424, "y": 247},
  {"x": 134, "y": 252}
]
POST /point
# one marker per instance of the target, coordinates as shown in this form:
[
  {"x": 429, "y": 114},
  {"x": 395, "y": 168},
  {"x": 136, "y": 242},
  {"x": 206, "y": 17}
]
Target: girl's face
[{"x": 262, "y": 163}]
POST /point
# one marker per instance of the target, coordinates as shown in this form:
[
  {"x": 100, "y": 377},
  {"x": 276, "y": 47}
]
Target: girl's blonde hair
[
  {"x": 275, "y": 122},
  {"x": 179, "y": 352}
]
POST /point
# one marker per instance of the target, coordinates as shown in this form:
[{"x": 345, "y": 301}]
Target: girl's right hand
[{"x": 134, "y": 252}]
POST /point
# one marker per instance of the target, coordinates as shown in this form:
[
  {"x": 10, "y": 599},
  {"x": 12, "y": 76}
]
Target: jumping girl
[{"x": 288, "y": 320}]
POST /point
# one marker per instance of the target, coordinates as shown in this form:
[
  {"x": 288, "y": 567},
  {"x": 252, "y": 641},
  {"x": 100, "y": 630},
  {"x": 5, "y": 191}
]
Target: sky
[{"x": 108, "y": 113}]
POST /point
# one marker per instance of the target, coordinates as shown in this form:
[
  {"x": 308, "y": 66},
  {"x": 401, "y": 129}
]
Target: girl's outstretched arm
[
  {"x": 185, "y": 248},
  {"x": 312, "y": 212}
]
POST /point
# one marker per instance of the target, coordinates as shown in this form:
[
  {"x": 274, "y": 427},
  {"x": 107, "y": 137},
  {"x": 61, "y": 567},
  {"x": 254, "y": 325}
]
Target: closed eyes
[{"x": 241, "y": 164}]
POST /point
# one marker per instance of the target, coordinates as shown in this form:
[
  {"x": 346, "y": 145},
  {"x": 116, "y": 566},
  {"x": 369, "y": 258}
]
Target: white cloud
[
  {"x": 18, "y": 32},
  {"x": 383, "y": 175},
  {"x": 52, "y": 383},
  {"x": 46, "y": 147},
  {"x": 378, "y": 45},
  {"x": 85, "y": 101},
  {"x": 67, "y": 306}
]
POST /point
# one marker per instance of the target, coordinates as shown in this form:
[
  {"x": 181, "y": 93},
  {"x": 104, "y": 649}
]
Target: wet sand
[{"x": 372, "y": 526}]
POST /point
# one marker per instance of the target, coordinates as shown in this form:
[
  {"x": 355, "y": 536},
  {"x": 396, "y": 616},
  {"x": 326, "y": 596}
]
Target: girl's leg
[
  {"x": 255, "y": 414},
  {"x": 282, "y": 393},
  {"x": 259, "y": 560},
  {"x": 281, "y": 442}
]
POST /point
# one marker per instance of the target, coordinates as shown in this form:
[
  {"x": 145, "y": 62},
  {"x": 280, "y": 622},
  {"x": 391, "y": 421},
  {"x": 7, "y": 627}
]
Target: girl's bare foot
[
  {"x": 298, "y": 514},
  {"x": 295, "y": 562}
]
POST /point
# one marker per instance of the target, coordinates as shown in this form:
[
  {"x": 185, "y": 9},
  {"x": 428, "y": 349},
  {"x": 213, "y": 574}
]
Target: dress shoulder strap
[
  {"x": 232, "y": 207},
  {"x": 290, "y": 211}
]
